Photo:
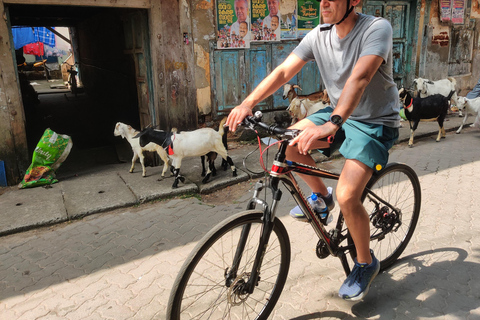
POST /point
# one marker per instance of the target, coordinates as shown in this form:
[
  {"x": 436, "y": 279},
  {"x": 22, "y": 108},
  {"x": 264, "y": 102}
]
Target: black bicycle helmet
[{"x": 349, "y": 10}]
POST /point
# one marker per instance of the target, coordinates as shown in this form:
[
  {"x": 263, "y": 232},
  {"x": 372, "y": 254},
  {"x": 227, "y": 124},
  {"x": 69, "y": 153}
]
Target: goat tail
[{"x": 221, "y": 129}]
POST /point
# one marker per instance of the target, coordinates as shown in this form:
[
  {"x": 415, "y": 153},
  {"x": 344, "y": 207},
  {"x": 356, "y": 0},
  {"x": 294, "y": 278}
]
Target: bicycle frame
[{"x": 282, "y": 171}]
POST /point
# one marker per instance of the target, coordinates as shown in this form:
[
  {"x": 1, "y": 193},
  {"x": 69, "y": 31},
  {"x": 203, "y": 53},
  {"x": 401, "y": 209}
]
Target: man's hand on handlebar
[
  {"x": 236, "y": 117},
  {"x": 310, "y": 137}
]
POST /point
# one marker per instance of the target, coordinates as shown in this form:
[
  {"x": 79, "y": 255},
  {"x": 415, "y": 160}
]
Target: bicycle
[
  {"x": 239, "y": 268},
  {"x": 72, "y": 78}
]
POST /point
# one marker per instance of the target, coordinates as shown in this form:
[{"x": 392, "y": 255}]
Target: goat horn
[{"x": 297, "y": 86}]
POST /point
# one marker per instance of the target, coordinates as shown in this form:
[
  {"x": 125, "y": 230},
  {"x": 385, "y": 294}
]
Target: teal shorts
[{"x": 365, "y": 142}]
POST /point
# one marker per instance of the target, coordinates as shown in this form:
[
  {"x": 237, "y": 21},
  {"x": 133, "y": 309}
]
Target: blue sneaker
[
  {"x": 358, "y": 281},
  {"x": 297, "y": 213}
]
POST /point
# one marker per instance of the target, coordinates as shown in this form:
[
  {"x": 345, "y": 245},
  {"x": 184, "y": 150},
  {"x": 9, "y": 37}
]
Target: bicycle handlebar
[{"x": 256, "y": 120}]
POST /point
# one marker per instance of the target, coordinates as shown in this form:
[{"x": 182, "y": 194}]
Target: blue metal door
[
  {"x": 235, "y": 73},
  {"x": 398, "y": 13}
]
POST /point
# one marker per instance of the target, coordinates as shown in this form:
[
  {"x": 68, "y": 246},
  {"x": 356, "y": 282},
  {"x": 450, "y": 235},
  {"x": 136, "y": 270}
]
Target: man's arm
[
  {"x": 281, "y": 75},
  {"x": 352, "y": 92}
]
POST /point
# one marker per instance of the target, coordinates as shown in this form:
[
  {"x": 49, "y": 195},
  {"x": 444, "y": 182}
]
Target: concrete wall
[{"x": 437, "y": 43}]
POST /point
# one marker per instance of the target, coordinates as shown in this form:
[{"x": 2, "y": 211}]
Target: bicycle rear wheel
[
  {"x": 200, "y": 290},
  {"x": 398, "y": 185}
]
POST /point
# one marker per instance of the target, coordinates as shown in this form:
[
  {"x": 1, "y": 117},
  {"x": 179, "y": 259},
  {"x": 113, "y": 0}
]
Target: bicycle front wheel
[
  {"x": 201, "y": 290},
  {"x": 391, "y": 230}
]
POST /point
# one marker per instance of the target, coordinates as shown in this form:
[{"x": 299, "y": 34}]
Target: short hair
[
  {"x": 246, "y": 1},
  {"x": 275, "y": 16},
  {"x": 244, "y": 22}
]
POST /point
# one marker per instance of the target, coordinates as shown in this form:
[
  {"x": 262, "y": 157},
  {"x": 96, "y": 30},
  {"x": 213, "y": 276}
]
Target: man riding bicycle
[{"x": 354, "y": 54}]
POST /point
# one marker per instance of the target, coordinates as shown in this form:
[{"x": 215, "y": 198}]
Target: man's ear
[{"x": 356, "y": 3}]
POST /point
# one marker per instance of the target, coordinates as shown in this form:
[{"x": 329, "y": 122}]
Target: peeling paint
[
  {"x": 203, "y": 60},
  {"x": 441, "y": 39},
  {"x": 204, "y": 4},
  {"x": 187, "y": 9},
  {"x": 175, "y": 65},
  {"x": 203, "y": 100}
]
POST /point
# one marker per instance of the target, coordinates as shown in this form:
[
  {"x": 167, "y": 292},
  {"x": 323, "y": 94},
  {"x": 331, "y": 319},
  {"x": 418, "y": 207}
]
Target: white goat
[
  {"x": 427, "y": 88},
  {"x": 188, "y": 144},
  {"x": 303, "y": 106},
  {"x": 127, "y": 132},
  {"x": 469, "y": 106}
]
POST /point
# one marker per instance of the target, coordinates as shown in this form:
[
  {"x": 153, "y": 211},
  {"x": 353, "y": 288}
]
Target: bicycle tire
[
  {"x": 197, "y": 273},
  {"x": 398, "y": 185}
]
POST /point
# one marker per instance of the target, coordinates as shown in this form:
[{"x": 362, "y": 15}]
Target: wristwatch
[{"x": 336, "y": 119}]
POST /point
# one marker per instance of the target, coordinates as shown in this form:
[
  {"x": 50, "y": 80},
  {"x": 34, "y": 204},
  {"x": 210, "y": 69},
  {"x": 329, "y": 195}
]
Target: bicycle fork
[{"x": 267, "y": 228}]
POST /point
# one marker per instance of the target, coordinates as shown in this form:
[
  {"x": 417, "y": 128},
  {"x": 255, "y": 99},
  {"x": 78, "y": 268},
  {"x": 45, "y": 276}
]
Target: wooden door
[
  {"x": 398, "y": 13},
  {"x": 137, "y": 45},
  {"x": 236, "y": 73}
]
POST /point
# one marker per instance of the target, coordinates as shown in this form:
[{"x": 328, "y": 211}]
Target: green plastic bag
[{"x": 50, "y": 153}]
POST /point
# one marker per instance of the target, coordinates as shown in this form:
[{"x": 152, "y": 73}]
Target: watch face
[{"x": 336, "y": 119}]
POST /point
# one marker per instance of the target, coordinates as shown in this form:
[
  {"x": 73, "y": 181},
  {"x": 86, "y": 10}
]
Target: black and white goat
[
  {"x": 188, "y": 144},
  {"x": 434, "y": 106},
  {"x": 127, "y": 132},
  {"x": 426, "y": 87}
]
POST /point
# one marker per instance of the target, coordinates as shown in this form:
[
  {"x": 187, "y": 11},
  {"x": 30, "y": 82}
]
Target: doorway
[{"x": 109, "y": 75}]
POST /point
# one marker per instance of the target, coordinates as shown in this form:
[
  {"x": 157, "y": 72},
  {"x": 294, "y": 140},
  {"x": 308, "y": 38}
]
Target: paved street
[{"x": 122, "y": 264}]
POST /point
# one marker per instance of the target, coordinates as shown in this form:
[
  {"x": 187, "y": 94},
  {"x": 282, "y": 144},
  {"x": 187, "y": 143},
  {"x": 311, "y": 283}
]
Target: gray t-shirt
[{"x": 337, "y": 57}]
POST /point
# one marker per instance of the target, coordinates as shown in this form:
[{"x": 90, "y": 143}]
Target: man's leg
[
  {"x": 315, "y": 183},
  {"x": 352, "y": 182}
]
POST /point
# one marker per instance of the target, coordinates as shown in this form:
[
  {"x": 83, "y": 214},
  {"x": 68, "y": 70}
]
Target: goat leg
[
  {"x": 224, "y": 165},
  {"x": 176, "y": 173},
  {"x": 230, "y": 162},
  {"x": 142, "y": 162},
  {"x": 135, "y": 157},
  {"x": 202, "y": 159},
  {"x": 463, "y": 123}
]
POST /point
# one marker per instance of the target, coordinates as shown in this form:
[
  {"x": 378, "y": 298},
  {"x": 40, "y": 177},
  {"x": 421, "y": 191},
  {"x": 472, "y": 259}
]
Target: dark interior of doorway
[{"x": 108, "y": 78}]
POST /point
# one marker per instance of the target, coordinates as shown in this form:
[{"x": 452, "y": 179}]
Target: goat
[
  {"x": 188, "y": 144},
  {"x": 435, "y": 106},
  {"x": 427, "y": 88},
  {"x": 469, "y": 105},
  {"x": 301, "y": 108},
  {"x": 127, "y": 132},
  {"x": 211, "y": 156},
  {"x": 290, "y": 93},
  {"x": 303, "y": 105}
]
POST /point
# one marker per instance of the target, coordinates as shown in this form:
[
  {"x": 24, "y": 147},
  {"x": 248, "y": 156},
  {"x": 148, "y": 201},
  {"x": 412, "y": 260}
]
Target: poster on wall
[
  {"x": 265, "y": 19},
  {"x": 458, "y": 11},
  {"x": 233, "y": 24},
  {"x": 288, "y": 19},
  {"x": 445, "y": 10},
  {"x": 308, "y": 16}
]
